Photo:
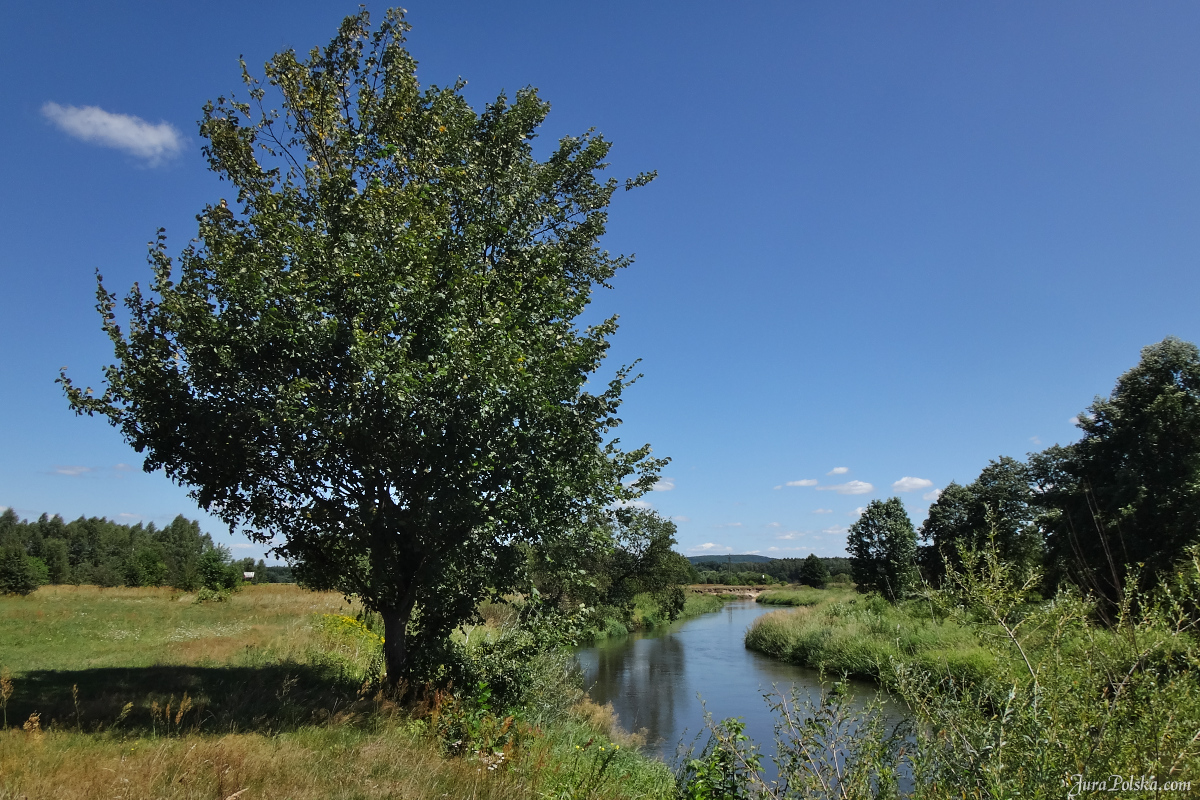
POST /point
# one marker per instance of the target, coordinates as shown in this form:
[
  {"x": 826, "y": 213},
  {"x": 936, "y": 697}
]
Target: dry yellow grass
[{"x": 310, "y": 764}]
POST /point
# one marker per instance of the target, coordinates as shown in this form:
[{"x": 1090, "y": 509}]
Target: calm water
[{"x": 653, "y": 679}]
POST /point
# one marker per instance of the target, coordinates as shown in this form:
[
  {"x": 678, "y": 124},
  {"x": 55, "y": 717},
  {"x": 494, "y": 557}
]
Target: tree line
[
  {"x": 99, "y": 551},
  {"x": 1118, "y": 507},
  {"x": 813, "y": 571}
]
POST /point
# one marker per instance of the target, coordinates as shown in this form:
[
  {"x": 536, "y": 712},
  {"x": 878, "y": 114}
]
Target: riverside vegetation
[{"x": 144, "y": 692}]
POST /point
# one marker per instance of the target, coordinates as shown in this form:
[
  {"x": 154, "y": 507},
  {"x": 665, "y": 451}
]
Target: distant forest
[
  {"x": 783, "y": 569},
  {"x": 99, "y": 551}
]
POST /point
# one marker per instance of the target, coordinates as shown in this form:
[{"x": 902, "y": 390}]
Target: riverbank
[
  {"x": 144, "y": 692},
  {"x": 841, "y": 632}
]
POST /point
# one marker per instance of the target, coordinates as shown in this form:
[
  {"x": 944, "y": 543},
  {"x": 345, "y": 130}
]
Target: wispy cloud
[
  {"x": 790, "y": 535},
  {"x": 681, "y": 519},
  {"x": 907, "y": 484},
  {"x": 1036, "y": 440},
  {"x": 838, "y": 471},
  {"x": 127, "y": 515},
  {"x": 664, "y": 485},
  {"x": 805, "y": 482},
  {"x": 932, "y": 496},
  {"x": 241, "y": 545},
  {"x": 72, "y": 470},
  {"x": 833, "y": 529},
  {"x": 780, "y": 486},
  {"x": 122, "y": 468},
  {"x": 823, "y": 511},
  {"x": 151, "y": 143},
  {"x": 773, "y": 525},
  {"x": 850, "y": 487},
  {"x": 856, "y": 513},
  {"x": 730, "y": 525},
  {"x": 1074, "y": 420}
]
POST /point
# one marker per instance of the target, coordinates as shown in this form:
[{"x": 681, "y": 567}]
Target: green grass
[
  {"x": 862, "y": 636},
  {"x": 142, "y": 692},
  {"x": 804, "y": 596}
]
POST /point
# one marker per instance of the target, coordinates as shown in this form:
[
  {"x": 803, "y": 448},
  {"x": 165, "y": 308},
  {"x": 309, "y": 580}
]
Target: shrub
[{"x": 215, "y": 571}]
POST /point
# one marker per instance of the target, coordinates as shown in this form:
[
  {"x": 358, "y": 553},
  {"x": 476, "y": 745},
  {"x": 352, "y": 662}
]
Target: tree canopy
[
  {"x": 883, "y": 549},
  {"x": 998, "y": 508},
  {"x": 1128, "y": 492},
  {"x": 371, "y": 359}
]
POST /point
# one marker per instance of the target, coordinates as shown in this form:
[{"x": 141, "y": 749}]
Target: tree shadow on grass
[{"x": 178, "y": 699}]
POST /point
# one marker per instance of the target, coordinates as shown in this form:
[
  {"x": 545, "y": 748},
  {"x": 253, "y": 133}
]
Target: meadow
[{"x": 144, "y": 692}]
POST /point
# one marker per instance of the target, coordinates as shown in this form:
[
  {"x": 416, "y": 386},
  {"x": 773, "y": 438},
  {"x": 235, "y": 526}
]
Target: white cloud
[
  {"x": 805, "y": 482},
  {"x": 850, "y": 487},
  {"x": 838, "y": 471},
  {"x": 1074, "y": 420},
  {"x": 777, "y": 487},
  {"x": 856, "y": 513},
  {"x": 122, "y": 468},
  {"x": 823, "y": 511},
  {"x": 833, "y": 529},
  {"x": 664, "y": 485},
  {"x": 753, "y": 552},
  {"x": 681, "y": 519},
  {"x": 241, "y": 545},
  {"x": 153, "y": 143},
  {"x": 932, "y": 496},
  {"x": 1035, "y": 440},
  {"x": 729, "y": 525},
  {"x": 790, "y": 535},
  {"x": 773, "y": 525},
  {"x": 907, "y": 484},
  {"x": 631, "y": 504},
  {"x": 127, "y": 515},
  {"x": 708, "y": 547},
  {"x": 73, "y": 471}
]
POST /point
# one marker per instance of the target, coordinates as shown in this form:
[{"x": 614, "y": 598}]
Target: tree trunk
[{"x": 395, "y": 645}]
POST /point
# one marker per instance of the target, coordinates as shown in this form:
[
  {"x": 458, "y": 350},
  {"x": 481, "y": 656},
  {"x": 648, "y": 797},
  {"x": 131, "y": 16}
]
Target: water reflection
[{"x": 653, "y": 679}]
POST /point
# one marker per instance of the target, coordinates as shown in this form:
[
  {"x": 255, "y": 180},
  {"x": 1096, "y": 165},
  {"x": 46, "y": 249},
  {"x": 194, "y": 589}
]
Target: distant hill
[{"x": 731, "y": 559}]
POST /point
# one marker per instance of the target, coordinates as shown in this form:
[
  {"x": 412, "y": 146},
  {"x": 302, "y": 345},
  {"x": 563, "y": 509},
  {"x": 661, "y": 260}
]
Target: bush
[{"x": 215, "y": 571}]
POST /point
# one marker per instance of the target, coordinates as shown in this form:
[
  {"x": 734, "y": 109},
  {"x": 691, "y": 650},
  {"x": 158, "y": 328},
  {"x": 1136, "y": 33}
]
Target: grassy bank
[
  {"x": 842, "y": 632},
  {"x": 144, "y": 693}
]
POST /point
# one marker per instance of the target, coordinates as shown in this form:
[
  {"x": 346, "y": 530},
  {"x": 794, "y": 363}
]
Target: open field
[{"x": 143, "y": 693}]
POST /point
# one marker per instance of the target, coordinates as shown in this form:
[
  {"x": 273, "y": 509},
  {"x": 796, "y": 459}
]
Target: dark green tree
[
  {"x": 814, "y": 572},
  {"x": 883, "y": 549},
  {"x": 1128, "y": 492},
  {"x": 628, "y": 552},
  {"x": 371, "y": 359},
  {"x": 17, "y": 572},
  {"x": 997, "y": 509}
]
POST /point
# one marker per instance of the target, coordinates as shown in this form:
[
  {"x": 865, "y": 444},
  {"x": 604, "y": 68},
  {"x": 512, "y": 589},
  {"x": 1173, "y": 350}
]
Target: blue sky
[{"x": 889, "y": 241}]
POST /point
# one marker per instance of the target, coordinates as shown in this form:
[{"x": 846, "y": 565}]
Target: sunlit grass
[
  {"x": 862, "y": 636},
  {"x": 275, "y": 706}
]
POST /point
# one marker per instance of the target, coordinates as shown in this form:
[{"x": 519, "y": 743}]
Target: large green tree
[
  {"x": 372, "y": 358},
  {"x": 997, "y": 509},
  {"x": 883, "y": 549},
  {"x": 1128, "y": 492}
]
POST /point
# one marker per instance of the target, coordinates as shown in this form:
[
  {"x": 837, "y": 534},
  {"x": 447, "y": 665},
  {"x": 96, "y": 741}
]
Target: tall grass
[
  {"x": 862, "y": 636},
  {"x": 804, "y": 596}
]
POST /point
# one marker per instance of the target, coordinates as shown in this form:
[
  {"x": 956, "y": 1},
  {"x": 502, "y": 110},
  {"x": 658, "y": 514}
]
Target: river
[{"x": 653, "y": 679}]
